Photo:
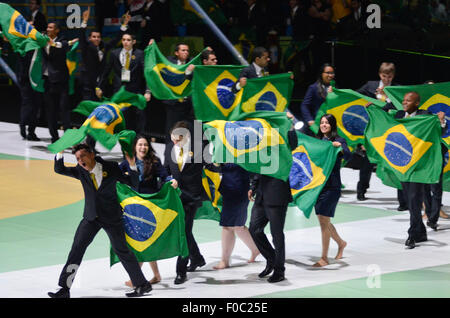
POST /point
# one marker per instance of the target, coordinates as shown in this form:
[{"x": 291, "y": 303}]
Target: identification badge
[{"x": 126, "y": 75}]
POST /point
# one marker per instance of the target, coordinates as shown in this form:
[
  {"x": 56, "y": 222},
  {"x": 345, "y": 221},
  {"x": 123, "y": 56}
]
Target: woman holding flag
[
  {"x": 152, "y": 176},
  {"x": 329, "y": 196}
]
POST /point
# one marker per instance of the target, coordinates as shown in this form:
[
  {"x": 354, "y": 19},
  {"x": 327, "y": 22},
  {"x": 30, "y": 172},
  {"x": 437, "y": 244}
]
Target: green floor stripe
[
  {"x": 430, "y": 282},
  {"x": 4, "y": 156}
]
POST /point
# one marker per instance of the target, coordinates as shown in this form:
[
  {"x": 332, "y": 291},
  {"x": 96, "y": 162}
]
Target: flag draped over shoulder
[
  {"x": 348, "y": 107},
  {"x": 72, "y": 65},
  {"x": 258, "y": 142},
  {"x": 410, "y": 148},
  {"x": 22, "y": 35},
  {"x": 154, "y": 224},
  {"x": 313, "y": 161},
  {"x": 212, "y": 95},
  {"x": 433, "y": 97},
  {"x": 210, "y": 209},
  {"x": 165, "y": 79}
]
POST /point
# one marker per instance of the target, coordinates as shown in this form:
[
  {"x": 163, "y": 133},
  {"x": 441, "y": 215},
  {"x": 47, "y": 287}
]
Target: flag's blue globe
[
  {"x": 398, "y": 150},
  {"x": 355, "y": 119},
  {"x": 301, "y": 172},
  {"x": 243, "y": 135},
  {"x": 140, "y": 222},
  {"x": 267, "y": 101},
  {"x": 172, "y": 78},
  {"x": 224, "y": 94}
]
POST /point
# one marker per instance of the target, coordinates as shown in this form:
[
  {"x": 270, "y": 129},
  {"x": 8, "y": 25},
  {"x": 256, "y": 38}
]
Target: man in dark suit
[
  {"x": 186, "y": 167},
  {"x": 413, "y": 191},
  {"x": 37, "y": 18},
  {"x": 127, "y": 65},
  {"x": 56, "y": 77},
  {"x": 260, "y": 60},
  {"x": 152, "y": 21},
  {"x": 271, "y": 197},
  {"x": 101, "y": 211}
]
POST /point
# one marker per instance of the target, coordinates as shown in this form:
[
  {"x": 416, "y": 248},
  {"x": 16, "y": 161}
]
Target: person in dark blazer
[
  {"x": 413, "y": 191},
  {"x": 127, "y": 65},
  {"x": 29, "y": 106},
  {"x": 328, "y": 199},
  {"x": 56, "y": 80},
  {"x": 101, "y": 211},
  {"x": 315, "y": 96},
  {"x": 152, "y": 21},
  {"x": 37, "y": 18},
  {"x": 260, "y": 61},
  {"x": 186, "y": 168},
  {"x": 374, "y": 89},
  {"x": 270, "y": 208}
]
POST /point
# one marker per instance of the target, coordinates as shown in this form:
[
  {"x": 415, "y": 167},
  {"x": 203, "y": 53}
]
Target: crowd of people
[{"x": 145, "y": 172}]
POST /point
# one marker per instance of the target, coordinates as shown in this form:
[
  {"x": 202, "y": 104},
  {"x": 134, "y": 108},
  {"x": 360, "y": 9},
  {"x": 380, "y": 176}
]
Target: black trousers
[
  {"x": 84, "y": 235},
  {"x": 276, "y": 216},
  {"x": 413, "y": 193},
  {"x": 29, "y": 107},
  {"x": 432, "y": 198},
  {"x": 56, "y": 100},
  {"x": 365, "y": 173},
  {"x": 402, "y": 198},
  {"x": 194, "y": 252}
]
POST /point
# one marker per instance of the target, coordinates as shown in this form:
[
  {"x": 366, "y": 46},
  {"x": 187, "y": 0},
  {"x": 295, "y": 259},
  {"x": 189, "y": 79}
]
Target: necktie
[
  {"x": 94, "y": 181},
  {"x": 180, "y": 159},
  {"x": 127, "y": 61}
]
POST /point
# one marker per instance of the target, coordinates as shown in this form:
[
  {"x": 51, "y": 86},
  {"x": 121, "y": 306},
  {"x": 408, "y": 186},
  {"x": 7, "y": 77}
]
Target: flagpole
[
  {"x": 217, "y": 32},
  {"x": 9, "y": 71}
]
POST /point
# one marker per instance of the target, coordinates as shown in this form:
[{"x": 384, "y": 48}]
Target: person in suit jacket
[
  {"x": 152, "y": 21},
  {"x": 270, "y": 208},
  {"x": 56, "y": 79},
  {"x": 374, "y": 89},
  {"x": 101, "y": 211},
  {"x": 315, "y": 95},
  {"x": 329, "y": 196},
  {"x": 127, "y": 65},
  {"x": 186, "y": 168},
  {"x": 37, "y": 18},
  {"x": 260, "y": 60},
  {"x": 413, "y": 191}
]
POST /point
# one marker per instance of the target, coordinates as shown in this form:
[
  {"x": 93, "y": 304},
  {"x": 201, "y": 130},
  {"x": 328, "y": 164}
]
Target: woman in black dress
[
  {"x": 152, "y": 176},
  {"x": 329, "y": 197},
  {"x": 234, "y": 187}
]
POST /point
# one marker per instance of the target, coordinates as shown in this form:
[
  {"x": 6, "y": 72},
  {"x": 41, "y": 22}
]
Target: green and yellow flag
[
  {"x": 348, "y": 107},
  {"x": 22, "y": 36},
  {"x": 446, "y": 172},
  {"x": 258, "y": 142},
  {"x": 313, "y": 161},
  {"x": 165, "y": 79},
  {"x": 212, "y": 95},
  {"x": 433, "y": 97},
  {"x": 183, "y": 13},
  {"x": 72, "y": 66},
  {"x": 409, "y": 147},
  {"x": 154, "y": 223},
  {"x": 210, "y": 209}
]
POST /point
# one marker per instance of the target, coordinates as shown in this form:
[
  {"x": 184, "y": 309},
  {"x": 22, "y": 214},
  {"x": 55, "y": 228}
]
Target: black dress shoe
[
  {"x": 180, "y": 279},
  {"x": 193, "y": 266},
  {"x": 23, "y": 132},
  {"x": 410, "y": 243},
  {"x": 402, "y": 208},
  {"x": 266, "y": 271},
  {"x": 434, "y": 226},
  {"x": 361, "y": 197},
  {"x": 33, "y": 137},
  {"x": 62, "y": 293},
  {"x": 275, "y": 278},
  {"x": 140, "y": 290}
]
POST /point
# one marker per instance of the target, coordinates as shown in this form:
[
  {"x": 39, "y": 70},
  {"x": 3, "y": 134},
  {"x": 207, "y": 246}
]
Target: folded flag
[
  {"x": 212, "y": 95},
  {"x": 258, "y": 142},
  {"x": 165, "y": 79},
  {"x": 433, "y": 97},
  {"x": 313, "y": 161},
  {"x": 210, "y": 209},
  {"x": 72, "y": 65},
  {"x": 348, "y": 107},
  {"x": 154, "y": 223},
  {"x": 35, "y": 72},
  {"x": 409, "y": 147},
  {"x": 22, "y": 36}
]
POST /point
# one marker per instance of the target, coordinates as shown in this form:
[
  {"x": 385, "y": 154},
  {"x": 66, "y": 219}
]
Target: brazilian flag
[
  {"x": 433, "y": 97},
  {"x": 266, "y": 93},
  {"x": 313, "y": 161},
  {"x": 348, "y": 107},
  {"x": 409, "y": 147},
  {"x": 212, "y": 95},
  {"x": 22, "y": 35},
  {"x": 165, "y": 79},
  {"x": 154, "y": 223},
  {"x": 72, "y": 66},
  {"x": 35, "y": 72},
  {"x": 210, "y": 209},
  {"x": 258, "y": 142},
  {"x": 446, "y": 172}
]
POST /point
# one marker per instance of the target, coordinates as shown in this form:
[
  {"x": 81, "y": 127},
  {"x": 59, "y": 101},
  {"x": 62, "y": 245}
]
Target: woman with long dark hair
[
  {"x": 152, "y": 176},
  {"x": 316, "y": 95},
  {"x": 329, "y": 196}
]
